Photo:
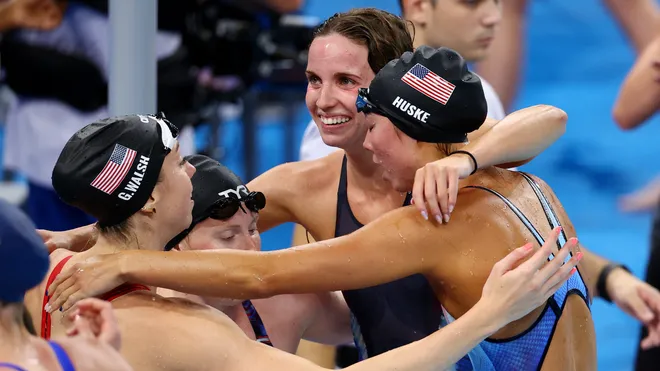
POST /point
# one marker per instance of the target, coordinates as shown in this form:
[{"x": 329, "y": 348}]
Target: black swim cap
[
  {"x": 430, "y": 95},
  {"x": 23, "y": 255},
  {"x": 216, "y": 185},
  {"x": 109, "y": 168}
]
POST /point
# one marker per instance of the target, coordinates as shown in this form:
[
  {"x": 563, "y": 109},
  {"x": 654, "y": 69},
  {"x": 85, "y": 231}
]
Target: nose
[
  {"x": 326, "y": 97},
  {"x": 190, "y": 169},
  {"x": 367, "y": 142},
  {"x": 492, "y": 13}
]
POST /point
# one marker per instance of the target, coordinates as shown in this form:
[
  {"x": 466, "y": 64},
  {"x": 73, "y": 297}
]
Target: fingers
[
  {"x": 452, "y": 194},
  {"x": 418, "y": 193},
  {"x": 508, "y": 262},
  {"x": 553, "y": 282},
  {"x": 538, "y": 260},
  {"x": 60, "y": 285},
  {"x": 550, "y": 268},
  {"x": 101, "y": 315},
  {"x": 433, "y": 181},
  {"x": 647, "y": 308}
]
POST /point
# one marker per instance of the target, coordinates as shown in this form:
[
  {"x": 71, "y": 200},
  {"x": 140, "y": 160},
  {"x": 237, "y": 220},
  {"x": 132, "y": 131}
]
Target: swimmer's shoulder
[
  {"x": 311, "y": 175},
  {"x": 172, "y": 331}
]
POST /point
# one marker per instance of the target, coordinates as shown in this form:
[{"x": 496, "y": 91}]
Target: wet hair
[{"x": 385, "y": 35}]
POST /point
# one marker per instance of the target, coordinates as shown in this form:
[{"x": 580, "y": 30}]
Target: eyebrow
[{"x": 338, "y": 74}]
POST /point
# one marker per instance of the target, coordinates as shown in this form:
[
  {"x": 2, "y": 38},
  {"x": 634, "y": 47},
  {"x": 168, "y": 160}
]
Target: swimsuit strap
[{"x": 256, "y": 322}]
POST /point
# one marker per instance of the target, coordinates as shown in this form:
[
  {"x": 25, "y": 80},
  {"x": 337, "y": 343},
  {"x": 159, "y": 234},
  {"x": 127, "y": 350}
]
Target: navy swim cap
[
  {"x": 430, "y": 95},
  {"x": 23, "y": 255}
]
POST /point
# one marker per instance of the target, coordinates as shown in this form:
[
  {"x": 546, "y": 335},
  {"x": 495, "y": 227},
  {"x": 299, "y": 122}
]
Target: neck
[
  {"x": 14, "y": 337},
  {"x": 140, "y": 238},
  {"x": 365, "y": 173}
]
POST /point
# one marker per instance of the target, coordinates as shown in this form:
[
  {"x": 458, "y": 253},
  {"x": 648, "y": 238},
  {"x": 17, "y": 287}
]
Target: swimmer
[
  {"x": 92, "y": 341},
  {"x": 221, "y": 222},
  {"x": 127, "y": 173},
  {"x": 498, "y": 208},
  {"x": 338, "y": 194}
]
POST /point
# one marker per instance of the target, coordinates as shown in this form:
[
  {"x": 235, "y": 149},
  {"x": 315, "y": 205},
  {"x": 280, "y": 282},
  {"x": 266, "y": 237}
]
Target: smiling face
[{"x": 336, "y": 68}]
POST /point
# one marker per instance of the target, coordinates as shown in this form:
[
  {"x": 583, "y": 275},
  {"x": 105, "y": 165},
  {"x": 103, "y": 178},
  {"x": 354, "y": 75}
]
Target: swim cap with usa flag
[
  {"x": 109, "y": 168},
  {"x": 430, "y": 95}
]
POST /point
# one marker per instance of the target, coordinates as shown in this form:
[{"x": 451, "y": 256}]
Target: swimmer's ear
[{"x": 150, "y": 206}]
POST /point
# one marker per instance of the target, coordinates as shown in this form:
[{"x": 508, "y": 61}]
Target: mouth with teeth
[{"x": 333, "y": 121}]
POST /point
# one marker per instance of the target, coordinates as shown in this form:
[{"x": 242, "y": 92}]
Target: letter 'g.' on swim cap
[
  {"x": 430, "y": 95},
  {"x": 23, "y": 255},
  {"x": 109, "y": 168}
]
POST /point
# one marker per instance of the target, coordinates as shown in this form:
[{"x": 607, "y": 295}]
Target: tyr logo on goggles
[
  {"x": 226, "y": 207},
  {"x": 364, "y": 105}
]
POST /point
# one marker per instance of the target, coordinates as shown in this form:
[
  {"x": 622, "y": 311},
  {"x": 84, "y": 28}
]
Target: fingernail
[
  {"x": 528, "y": 246},
  {"x": 47, "y": 293},
  {"x": 446, "y": 218},
  {"x": 425, "y": 215},
  {"x": 573, "y": 270},
  {"x": 47, "y": 307},
  {"x": 578, "y": 256},
  {"x": 451, "y": 208},
  {"x": 412, "y": 202},
  {"x": 439, "y": 219},
  {"x": 61, "y": 309}
]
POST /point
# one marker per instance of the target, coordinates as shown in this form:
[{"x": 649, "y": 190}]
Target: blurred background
[{"x": 233, "y": 75}]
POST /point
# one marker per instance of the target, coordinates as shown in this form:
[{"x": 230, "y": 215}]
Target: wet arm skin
[{"x": 393, "y": 247}]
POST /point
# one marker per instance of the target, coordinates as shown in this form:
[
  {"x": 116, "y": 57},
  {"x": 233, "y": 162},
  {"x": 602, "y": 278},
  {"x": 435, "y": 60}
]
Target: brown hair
[{"x": 385, "y": 35}]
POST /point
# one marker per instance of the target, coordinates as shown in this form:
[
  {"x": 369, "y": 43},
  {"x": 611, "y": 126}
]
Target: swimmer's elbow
[{"x": 623, "y": 119}]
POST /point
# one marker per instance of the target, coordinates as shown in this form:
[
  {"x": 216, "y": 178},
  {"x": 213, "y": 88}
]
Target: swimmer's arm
[
  {"x": 438, "y": 351},
  {"x": 518, "y": 138},
  {"x": 397, "y": 245},
  {"x": 278, "y": 185},
  {"x": 639, "y": 97},
  {"x": 330, "y": 322},
  {"x": 638, "y": 18}
]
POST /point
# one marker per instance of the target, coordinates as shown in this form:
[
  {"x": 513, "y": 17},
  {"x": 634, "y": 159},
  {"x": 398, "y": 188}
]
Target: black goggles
[
  {"x": 363, "y": 104},
  {"x": 226, "y": 207}
]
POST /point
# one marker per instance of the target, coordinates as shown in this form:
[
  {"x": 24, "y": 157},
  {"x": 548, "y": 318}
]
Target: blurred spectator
[
  {"x": 640, "y": 20},
  {"x": 638, "y": 100}
]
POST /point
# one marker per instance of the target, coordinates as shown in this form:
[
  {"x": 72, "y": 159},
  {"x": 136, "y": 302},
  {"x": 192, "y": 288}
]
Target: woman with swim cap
[
  {"x": 94, "y": 337},
  {"x": 127, "y": 173},
  {"x": 506, "y": 208},
  {"x": 338, "y": 194},
  {"x": 221, "y": 221}
]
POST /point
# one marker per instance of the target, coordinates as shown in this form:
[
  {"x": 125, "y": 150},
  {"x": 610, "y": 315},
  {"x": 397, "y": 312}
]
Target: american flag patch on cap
[
  {"x": 115, "y": 169},
  {"x": 428, "y": 83}
]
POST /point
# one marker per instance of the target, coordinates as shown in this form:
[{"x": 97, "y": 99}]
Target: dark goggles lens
[
  {"x": 363, "y": 104},
  {"x": 227, "y": 207}
]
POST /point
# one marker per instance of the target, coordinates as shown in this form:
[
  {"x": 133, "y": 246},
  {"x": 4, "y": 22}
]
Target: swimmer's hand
[
  {"x": 436, "y": 186},
  {"x": 92, "y": 277},
  {"x": 95, "y": 319},
  {"x": 513, "y": 291},
  {"x": 638, "y": 299},
  {"x": 78, "y": 240}
]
